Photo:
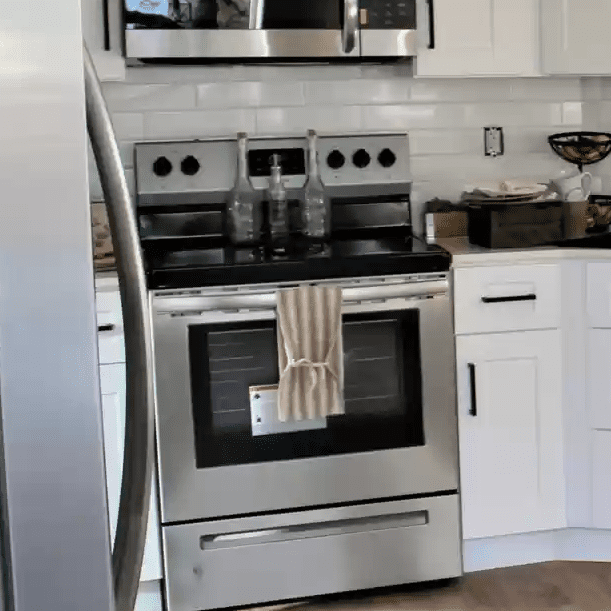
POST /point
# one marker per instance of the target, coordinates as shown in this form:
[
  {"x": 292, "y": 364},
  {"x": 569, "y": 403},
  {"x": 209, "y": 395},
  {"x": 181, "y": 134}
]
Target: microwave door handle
[
  {"x": 134, "y": 503},
  {"x": 256, "y": 14},
  {"x": 351, "y": 24}
]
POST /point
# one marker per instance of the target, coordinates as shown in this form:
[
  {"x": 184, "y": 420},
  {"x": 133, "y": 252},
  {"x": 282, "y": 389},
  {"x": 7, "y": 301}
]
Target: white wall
[{"x": 444, "y": 117}]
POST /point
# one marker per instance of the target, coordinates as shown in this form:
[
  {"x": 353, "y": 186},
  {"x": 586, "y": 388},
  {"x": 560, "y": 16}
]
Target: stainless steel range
[{"x": 255, "y": 509}]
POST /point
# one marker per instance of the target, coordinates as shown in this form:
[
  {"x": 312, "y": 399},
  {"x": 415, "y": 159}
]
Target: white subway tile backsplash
[
  {"x": 198, "y": 124},
  {"x": 297, "y": 120},
  {"x": 528, "y": 140},
  {"x": 445, "y": 117},
  {"x": 361, "y": 91},
  {"x": 248, "y": 94},
  {"x": 465, "y": 170},
  {"x": 513, "y": 114},
  {"x": 572, "y": 113},
  {"x": 460, "y": 90},
  {"x": 122, "y": 97},
  {"x": 412, "y": 116},
  {"x": 592, "y": 89},
  {"x": 605, "y": 115},
  {"x": 546, "y": 89},
  {"x": 128, "y": 125},
  {"x": 605, "y": 88},
  {"x": 446, "y": 141}
]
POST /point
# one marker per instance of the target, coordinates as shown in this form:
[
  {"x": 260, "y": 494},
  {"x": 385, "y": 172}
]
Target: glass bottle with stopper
[
  {"x": 316, "y": 211},
  {"x": 278, "y": 206},
  {"x": 244, "y": 215}
]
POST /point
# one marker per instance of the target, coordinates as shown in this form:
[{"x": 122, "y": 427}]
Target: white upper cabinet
[
  {"x": 101, "y": 30},
  {"x": 478, "y": 38},
  {"x": 576, "y": 36},
  {"x": 510, "y": 433}
]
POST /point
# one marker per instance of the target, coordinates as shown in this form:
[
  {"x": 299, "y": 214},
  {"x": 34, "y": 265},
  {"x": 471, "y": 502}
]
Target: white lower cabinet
[
  {"x": 112, "y": 380},
  {"x": 510, "y": 432},
  {"x": 601, "y": 479}
]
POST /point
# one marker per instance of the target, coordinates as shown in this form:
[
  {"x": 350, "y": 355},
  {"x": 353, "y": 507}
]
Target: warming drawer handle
[
  {"x": 527, "y": 297},
  {"x": 473, "y": 408}
]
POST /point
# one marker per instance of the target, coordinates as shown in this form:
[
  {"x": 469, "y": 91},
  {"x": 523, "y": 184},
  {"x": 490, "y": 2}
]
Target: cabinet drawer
[
  {"x": 507, "y": 298},
  {"x": 599, "y": 294},
  {"x": 601, "y": 482},
  {"x": 111, "y": 346},
  {"x": 268, "y": 558}
]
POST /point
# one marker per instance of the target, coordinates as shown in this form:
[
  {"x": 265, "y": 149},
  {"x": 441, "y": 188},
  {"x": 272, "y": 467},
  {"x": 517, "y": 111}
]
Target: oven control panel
[{"x": 209, "y": 166}]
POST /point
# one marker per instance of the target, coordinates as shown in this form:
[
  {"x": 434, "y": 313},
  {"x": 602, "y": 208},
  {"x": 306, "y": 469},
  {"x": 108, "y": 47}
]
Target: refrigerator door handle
[{"x": 134, "y": 504}]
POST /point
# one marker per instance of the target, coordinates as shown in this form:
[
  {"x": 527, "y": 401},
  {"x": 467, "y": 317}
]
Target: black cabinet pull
[
  {"x": 529, "y": 297},
  {"x": 105, "y": 328},
  {"x": 106, "y": 25},
  {"x": 473, "y": 408},
  {"x": 431, "y": 24}
]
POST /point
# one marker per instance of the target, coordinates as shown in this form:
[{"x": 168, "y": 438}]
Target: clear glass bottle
[
  {"x": 244, "y": 216},
  {"x": 278, "y": 206},
  {"x": 316, "y": 211}
]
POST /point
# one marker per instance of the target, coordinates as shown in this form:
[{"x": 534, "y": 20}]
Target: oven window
[
  {"x": 383, "y": 393},
  {"x": 232, "y": 14}
]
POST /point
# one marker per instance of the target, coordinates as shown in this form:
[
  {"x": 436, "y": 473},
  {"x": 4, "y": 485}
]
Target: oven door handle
[
  {"x": 351, "y": 25},
  {"x": 130, "y": 539},
  {"x": 175, "y": 306}
]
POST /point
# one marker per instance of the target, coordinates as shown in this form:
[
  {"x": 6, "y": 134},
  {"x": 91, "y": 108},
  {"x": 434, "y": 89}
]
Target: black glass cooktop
[{"x": 365, "y": 254}]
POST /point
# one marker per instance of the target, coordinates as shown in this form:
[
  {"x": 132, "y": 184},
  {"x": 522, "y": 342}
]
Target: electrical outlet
[{"x": 493, "y": 141}]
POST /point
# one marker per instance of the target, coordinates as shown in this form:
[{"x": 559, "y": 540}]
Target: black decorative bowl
[{"x": 581, "y": 148}]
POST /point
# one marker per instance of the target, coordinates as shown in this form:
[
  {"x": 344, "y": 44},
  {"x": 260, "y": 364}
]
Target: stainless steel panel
[
  {"x": 130, "y": 539},
  {"x": 217, "y": 156},
  {"x": 264, "y": 414},
  {"x": 56, "y": 505},
  {"x": 189, "y": 493},
  {"x": 355, "y": 555},
  {"x": 238, "y": 44},
  {"x": 389, "y": 43}
]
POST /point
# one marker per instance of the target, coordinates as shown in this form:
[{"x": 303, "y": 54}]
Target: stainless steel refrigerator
[{"x": 54, "y": 530}]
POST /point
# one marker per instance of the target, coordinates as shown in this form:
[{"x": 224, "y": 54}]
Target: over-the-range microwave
[{"x": 279, "y": 30}]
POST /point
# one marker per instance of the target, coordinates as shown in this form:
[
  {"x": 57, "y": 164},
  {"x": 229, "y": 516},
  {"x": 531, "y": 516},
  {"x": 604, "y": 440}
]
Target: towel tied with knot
[{"x": 310, "y": 353}]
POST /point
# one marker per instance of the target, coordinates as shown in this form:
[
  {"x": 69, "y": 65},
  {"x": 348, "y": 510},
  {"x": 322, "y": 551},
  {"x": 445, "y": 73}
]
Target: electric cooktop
[{"x": 361, "y": 254}]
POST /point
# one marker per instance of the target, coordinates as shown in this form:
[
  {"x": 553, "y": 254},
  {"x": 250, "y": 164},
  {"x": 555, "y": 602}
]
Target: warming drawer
[{"x": 307, "y": 553}]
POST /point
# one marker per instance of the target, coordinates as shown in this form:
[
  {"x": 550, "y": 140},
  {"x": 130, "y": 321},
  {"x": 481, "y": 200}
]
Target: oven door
[
  {"x": 240, "y": 29},
  {"x": 397, "y": 437}
]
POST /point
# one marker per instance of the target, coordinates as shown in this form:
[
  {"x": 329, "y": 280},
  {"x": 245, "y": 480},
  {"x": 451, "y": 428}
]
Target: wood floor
[{"x": 567, "y": 586}]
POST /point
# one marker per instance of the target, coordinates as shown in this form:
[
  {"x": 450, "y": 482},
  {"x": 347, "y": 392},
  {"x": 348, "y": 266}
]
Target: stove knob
[
  {"x": 162, "y": 166},
  {"x": 361, "y": 158},
  {"x": 336, "y": 160},
  {"x": 387, "y": 158},
  {"x": 190, "y": 166}
]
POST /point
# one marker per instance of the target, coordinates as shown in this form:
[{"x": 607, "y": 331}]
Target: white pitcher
[{"x": 574, "y": 187}]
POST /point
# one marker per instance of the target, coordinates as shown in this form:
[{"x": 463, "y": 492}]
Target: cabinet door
[
  {"x": 112, "y": 378},
  {"x": 598, "y": 368},
  {"x": 601, "y": 480},
  {"x": 599, "y": 294},
  {"x": 575, "y": 36},
  {"x": 478, "y": 38},
  {"x": 102, "y": 23},
  {"x": 510, "y": 433}
]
